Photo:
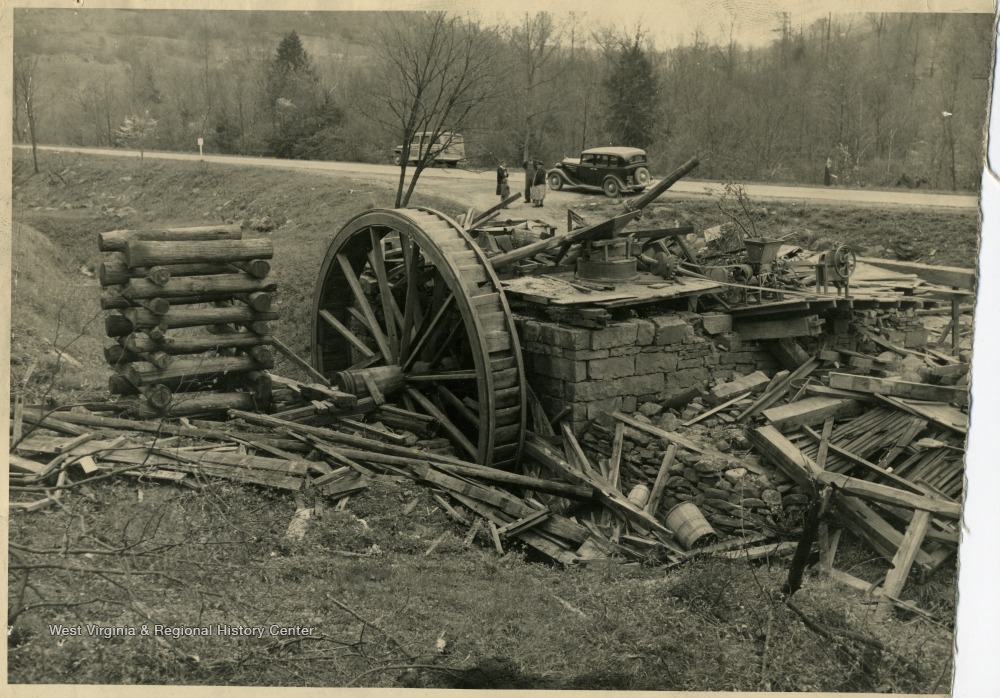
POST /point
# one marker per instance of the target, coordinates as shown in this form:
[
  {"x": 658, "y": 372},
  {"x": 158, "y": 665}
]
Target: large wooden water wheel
[{"x": 408, "y": 304}]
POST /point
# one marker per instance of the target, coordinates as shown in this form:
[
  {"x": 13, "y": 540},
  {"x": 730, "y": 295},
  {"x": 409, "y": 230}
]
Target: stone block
[
  {"x": 629, "y": 403},
  {"x": 599, "y": 409},
  {"x": 658, "y": 362},
  {"x": 623, "y": 351},
  {"x": 542, "y": 349},
  {"x": 726, "y": 391},
  {"x": 687, "y": 378},
  {"x": 645, "y": 332},
  {"x": 528, "y": 330},
  {"x": 650, "y": 409},
  {"x": 585, "y": 354},
  {"x": 730, "y": 341},
  {"x": 617, "y": 335},
  {"x": 565, "y": 337},
  {"x": 772, "y": 498},
  {"x": 691, "y": 363},
  {"x": 617, "y": 367},
  {"x": 915, "y": 338},
  {"x": 643, "y": 385},
  {"x": 671, "y": 329},
  {"x": 557, "y": 367}
]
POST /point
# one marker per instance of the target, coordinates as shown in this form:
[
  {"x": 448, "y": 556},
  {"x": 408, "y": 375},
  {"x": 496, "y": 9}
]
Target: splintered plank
[
  {"x": 813, "y": 410},
  {"x": 878, "y": 532},
  {"x": 900, "y": 389},
  {"x": 902, "y": 561}
]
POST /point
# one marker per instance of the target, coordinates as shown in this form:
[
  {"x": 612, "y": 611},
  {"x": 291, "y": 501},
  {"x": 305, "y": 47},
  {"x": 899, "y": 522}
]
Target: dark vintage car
[{"x": 614, "y": 170}]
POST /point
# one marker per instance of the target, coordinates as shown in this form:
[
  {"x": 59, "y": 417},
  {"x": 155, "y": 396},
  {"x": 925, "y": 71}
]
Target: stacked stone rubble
[{"x": 733, "y": 499}]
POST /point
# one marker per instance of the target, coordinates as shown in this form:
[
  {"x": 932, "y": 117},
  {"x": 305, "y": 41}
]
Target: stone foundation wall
[
  {"x": 660, "y": 357},
  {"x": 619, "y": 367}
]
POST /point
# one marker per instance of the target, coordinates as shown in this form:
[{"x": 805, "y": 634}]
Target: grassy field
[{"x": 124, "y": 552}]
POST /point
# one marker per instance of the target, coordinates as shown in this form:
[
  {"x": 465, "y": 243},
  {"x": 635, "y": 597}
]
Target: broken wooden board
[
  {"x": 941, "y": 414},
  {"x": 878, "y": 532},
  {"x": 811, "y": 410},
  {"x": 889, "y": 495},
  {"x": 898, "y": 388},
  {"x": 552, "y": 291},
  {"x": 779, "y": 450}
]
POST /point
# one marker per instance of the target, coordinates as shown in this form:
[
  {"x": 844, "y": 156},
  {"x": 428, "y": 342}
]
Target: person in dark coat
[
  {"x": 538, "y": 185},
  {"x": 501, "y": 175},
  {"x": 528, "y": 174}
]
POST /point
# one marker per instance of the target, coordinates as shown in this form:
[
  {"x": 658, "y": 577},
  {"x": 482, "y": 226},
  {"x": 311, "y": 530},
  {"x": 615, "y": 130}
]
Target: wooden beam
[
  {"x": 889, "y": 494},
  {"x": 812, "y": 410},
  {"x": 958, "y": 277},
  {"x": 780, "y": 451},
  {"x": 902, "y": 562},
  {"x": 879, "y": 533},
  {"x": 898, "y": 388},
  {"x": 806, "y": 326}
]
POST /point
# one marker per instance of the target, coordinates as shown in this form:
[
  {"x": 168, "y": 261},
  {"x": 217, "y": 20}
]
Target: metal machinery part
[
  {"x": 611, "y": 260},
  {"x": 844, "y": 262},
  {"x": 408, "y": 303}
]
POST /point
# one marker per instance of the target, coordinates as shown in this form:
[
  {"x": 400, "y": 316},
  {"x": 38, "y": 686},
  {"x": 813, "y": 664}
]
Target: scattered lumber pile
[
  {"x": 732, "y": 472},
  {"x": 890, "y": 455},
  {"x": 162, "y": 282}
]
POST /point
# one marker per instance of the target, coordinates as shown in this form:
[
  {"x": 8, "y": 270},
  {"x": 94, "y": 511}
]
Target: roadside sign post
[{"x": 201, "y": 142}]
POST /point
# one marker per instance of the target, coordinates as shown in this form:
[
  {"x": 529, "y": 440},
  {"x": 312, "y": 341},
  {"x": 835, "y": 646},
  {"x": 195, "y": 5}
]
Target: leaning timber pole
[{"x": 604, "y": 229}]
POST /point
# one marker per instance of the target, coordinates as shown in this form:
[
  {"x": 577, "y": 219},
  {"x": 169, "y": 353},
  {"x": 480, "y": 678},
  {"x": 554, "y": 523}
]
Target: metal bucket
[
  {"x": 689, "y": 524},
  {"x": 762, "y": 250}
]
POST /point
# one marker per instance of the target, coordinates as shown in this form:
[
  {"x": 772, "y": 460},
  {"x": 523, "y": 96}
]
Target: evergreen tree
[{"x": 631, "y": 89}]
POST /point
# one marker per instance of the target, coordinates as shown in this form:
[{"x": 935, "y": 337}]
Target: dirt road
[{"x": 478, "y": 187}]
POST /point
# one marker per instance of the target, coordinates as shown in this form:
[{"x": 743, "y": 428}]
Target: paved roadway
[{"x": 475, "y": 185}]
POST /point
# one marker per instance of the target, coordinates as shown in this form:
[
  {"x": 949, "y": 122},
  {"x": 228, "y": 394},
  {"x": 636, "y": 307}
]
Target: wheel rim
[
  {"x": 611, "y": 187},
  {"x": 555, "y": 182},
  {"x": 642, "y": 176},
  {"x": 845, "y": 261},
  {"x": 451, "y": 333}
]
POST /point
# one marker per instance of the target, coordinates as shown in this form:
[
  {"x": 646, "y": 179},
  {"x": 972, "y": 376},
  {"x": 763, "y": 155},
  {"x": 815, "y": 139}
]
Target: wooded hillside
[{"x": 890, "y": 100}]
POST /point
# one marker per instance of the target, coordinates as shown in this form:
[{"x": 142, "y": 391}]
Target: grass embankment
[{"x": 361, "y": 577}]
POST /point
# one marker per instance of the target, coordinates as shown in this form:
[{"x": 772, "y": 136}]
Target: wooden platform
[{"x": 646, "y": 289}]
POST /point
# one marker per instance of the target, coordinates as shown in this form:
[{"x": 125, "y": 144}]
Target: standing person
[
  {"x": 538, "y": 185},
  {"x": 504, "y": 187},
  {"x": 528, "y": 174},
  {"x": 501, "y": 176}
]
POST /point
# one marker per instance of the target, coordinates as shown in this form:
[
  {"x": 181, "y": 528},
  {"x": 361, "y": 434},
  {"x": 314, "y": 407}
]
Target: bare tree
[
  {"x": 535, "y": 41},
  {"x": 25, "y": 87},
  {"x": 437, "y": 71}
]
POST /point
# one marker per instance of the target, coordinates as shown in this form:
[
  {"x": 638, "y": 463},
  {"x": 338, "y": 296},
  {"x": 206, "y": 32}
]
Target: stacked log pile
[{"x": 164, "y": 285}]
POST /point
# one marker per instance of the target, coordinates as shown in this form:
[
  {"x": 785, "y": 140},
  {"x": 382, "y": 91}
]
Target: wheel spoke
[
  {"x": 346, "y": 333},
  {"x": 445, "y": 376},
  {"x": 366, "y": 362},
  {"x": 458, "y": 405},
  {"x": 431, "y": 329},
  {"x": 453, "y": 431},
  {"x": 439, "y": 354},
  {"x": 389, "y": 309},
  {"x": 411, "y": 260},
  {"x": 362, "y": 300}
]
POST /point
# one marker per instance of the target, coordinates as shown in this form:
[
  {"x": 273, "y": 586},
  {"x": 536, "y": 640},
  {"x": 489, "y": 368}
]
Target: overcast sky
[{"x": 668, "y": 22}]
